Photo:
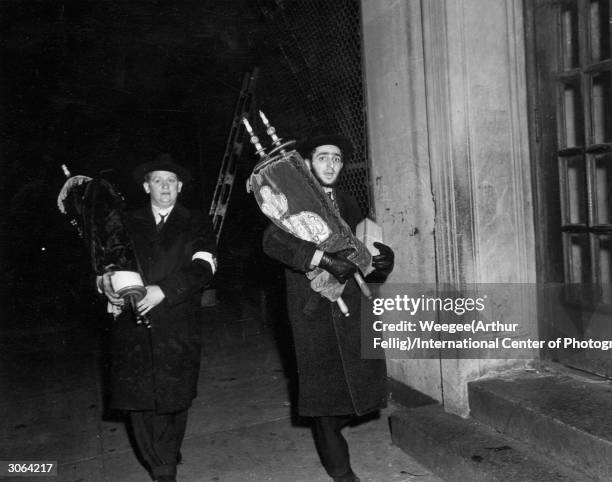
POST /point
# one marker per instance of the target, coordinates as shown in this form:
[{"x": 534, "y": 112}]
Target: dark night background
[{"x": 100, "y": 86}]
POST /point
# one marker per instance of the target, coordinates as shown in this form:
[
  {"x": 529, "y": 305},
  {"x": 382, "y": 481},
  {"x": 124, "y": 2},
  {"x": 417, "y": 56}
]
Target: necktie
[
  {"x": 332, "y": 198},
  {"x": 162, "y": 220}
]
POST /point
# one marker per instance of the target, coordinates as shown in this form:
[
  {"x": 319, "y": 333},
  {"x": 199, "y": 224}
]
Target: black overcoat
[
  {"x": 157, "y": 368},
  {"x": 333, "y": 378}
]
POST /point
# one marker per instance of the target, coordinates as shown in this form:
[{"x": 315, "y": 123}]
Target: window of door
[{"x": 572, "y": 100}]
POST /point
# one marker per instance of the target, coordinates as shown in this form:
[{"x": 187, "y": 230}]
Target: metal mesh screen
[{"x": 318, "y": 46}]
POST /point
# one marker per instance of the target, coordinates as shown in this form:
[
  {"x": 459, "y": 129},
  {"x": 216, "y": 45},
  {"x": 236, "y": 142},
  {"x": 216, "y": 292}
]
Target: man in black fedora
[
  {"x": 335, "y": 384},
  {"x": 154, "y": 370}
]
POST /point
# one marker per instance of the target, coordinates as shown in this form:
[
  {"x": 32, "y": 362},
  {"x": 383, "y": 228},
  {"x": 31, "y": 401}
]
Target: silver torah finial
[
  {"x": 271, "y": 131},
  {"x": 277, "y": 142},
  {"x": 259, "y": 149}
]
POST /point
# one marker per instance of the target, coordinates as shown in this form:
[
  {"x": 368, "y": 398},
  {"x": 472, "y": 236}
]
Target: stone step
[
  {"x": 565, "y": 417},
  {"x": 458, "y": 449}
]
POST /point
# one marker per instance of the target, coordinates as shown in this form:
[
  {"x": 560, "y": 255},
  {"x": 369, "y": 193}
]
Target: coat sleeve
[
  {"x": 288, "y": 249},
  {"x": 196, "y": 273}
]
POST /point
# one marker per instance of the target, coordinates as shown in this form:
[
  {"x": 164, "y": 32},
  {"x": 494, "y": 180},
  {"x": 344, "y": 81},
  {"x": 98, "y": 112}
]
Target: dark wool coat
[
  {"x": 157, "y": 368},
  {"x": 333, "y": 378}
]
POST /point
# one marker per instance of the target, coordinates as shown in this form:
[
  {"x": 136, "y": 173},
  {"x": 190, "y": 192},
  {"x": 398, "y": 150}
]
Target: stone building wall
[{"x": 447, "y": 118}]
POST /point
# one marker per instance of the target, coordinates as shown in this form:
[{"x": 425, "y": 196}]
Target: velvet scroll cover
[{"x": 289, "y": 195}]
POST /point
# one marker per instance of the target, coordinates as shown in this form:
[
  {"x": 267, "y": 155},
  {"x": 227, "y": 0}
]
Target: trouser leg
[
  {"x": 331, "y": 444},
  {"x": 159, "y": 438}
]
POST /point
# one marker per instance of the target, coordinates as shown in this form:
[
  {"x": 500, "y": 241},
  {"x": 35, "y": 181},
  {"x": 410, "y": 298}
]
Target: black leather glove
[
  {"x": 338, "y": 265},
  {"x": 385, "y": 260}
]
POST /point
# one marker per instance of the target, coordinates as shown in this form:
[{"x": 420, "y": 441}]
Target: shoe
[{"x": 349, "y": 477}]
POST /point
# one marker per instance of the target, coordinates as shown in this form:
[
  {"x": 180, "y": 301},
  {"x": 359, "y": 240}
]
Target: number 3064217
[{"x": 28, "y": 467}]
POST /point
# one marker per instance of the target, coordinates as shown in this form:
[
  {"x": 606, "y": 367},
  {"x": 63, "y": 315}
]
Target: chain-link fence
[{"x": 317, "y": 82}]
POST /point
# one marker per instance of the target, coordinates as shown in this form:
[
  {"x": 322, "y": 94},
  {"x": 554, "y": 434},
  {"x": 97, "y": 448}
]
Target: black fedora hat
[
  {"x": 163, "y": 162},
  {"x": 308, "y": 145}
]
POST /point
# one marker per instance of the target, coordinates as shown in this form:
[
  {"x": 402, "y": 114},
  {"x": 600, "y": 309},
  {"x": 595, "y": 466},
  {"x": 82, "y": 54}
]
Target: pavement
[{"x": 242, "y": 426}]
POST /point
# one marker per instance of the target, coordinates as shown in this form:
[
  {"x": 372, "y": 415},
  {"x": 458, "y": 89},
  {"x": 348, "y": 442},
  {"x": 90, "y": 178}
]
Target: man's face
[
  {"x": 163, "y": 187},
  {"x": 326, "y": 164}
]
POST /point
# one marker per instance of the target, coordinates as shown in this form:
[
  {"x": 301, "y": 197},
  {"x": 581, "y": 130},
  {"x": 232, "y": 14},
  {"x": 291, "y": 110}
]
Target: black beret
[
  {"x": 306, "y": 147},
  {"x": 162, "y": 162}
]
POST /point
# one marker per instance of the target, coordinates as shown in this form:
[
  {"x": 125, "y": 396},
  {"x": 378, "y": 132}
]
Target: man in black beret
[
  {"x": 154, "y": 371},
  {"x": 335, "y": 383}
]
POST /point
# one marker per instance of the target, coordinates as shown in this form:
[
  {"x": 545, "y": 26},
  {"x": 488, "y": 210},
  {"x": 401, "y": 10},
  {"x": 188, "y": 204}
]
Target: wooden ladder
[{"x": 233, "y": 149}]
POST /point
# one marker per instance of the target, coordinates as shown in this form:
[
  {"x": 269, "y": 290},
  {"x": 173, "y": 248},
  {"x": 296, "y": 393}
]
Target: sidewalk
[{"x": 240, "y": 427}]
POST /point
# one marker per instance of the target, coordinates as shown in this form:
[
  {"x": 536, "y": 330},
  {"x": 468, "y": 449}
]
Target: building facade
[{"x": 489, "y": 128}]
